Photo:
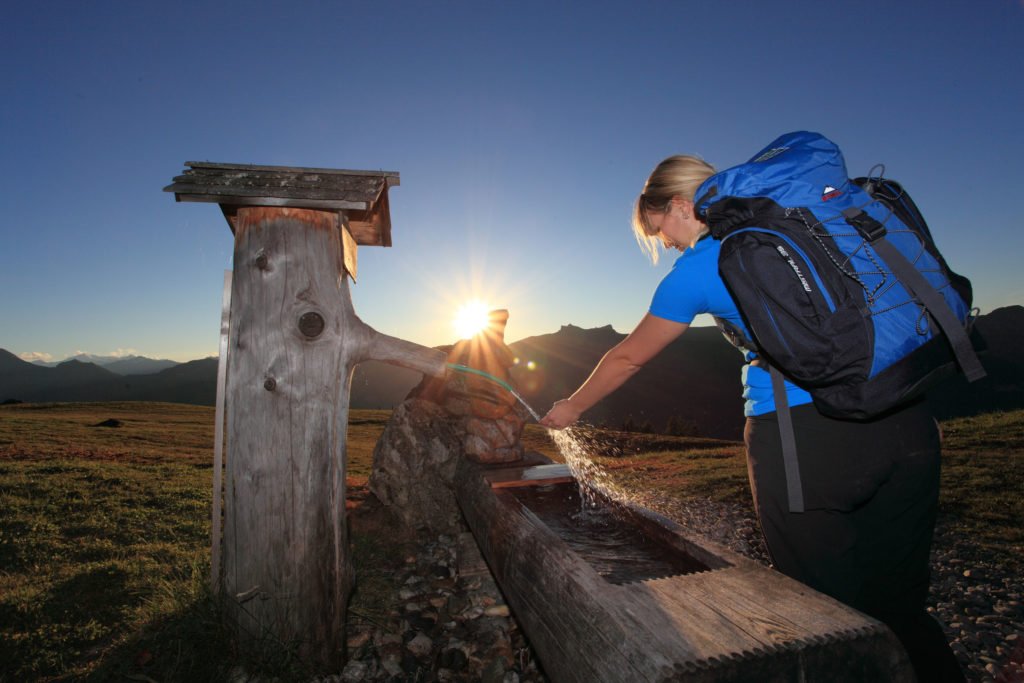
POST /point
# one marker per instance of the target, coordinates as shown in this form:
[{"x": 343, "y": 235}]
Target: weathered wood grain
[
  {"x": 736, "y": 621},
  {"x": 392, "y": 177},
  {"x": 361, "y": 195},
  {"x": 294, "y": 341}
]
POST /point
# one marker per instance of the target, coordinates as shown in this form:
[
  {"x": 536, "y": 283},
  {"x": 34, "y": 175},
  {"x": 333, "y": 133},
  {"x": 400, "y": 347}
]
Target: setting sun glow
[{"x": 470, "y": 319}]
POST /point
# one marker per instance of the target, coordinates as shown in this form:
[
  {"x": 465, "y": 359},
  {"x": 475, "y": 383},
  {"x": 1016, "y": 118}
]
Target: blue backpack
[{"x": 839, "y": 281}]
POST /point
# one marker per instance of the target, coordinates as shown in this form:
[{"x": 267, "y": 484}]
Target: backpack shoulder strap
[
  {"x": 874, "y": 234},
  {"x": 790, "y": 464}
]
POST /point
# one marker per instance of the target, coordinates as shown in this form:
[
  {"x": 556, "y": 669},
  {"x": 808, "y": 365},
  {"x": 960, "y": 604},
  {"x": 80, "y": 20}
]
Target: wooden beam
[
  {"x": 349, "y": 249},
  {"x": 250, "y": 194},
  {"x": 294, "y": 341},
  {"x": 392, "y": 177}
]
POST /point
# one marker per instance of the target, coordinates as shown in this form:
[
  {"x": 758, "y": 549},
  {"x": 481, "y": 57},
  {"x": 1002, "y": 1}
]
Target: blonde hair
[{"x": 677, "y": 176}]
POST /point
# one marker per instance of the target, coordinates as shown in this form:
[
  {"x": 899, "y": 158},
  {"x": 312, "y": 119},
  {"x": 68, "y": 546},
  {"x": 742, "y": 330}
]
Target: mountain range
[
  {"x": 692, "y": 387},
  {"x": 119, "y": 365}
]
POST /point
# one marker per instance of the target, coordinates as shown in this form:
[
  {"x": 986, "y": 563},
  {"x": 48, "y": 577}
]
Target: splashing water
[{"x": 576, "y": 445}]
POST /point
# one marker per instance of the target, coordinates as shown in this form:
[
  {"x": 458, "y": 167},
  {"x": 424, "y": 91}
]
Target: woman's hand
[{"x": 561, "y": 415}]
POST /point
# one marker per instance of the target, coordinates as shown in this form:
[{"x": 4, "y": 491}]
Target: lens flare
[{"x": 471, "y": 318}]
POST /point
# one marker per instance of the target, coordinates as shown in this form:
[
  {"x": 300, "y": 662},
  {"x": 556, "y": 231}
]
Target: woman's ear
[{"x": 683, "y": 206}]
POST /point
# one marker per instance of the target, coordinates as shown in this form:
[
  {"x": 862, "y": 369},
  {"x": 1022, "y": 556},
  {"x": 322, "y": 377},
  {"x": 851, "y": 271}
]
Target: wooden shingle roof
[{"x": 362, "y": 196}]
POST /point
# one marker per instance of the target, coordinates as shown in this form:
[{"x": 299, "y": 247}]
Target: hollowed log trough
[{"x": 683, "y": 609}]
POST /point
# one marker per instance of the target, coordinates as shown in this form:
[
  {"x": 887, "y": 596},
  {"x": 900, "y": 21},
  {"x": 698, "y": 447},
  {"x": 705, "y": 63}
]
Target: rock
[
  {"x": 354, "y": 671},
  {"x": 454, "y": 658},
  {"x": 488, "y": 431},
  {"x": 497, "y": 611},
  {"x": 420, "y": 645},
  {"x": 418, "y": 489},
  {"x": 494, "y": 671},
  {"x": 392, "y": 663},
  {"x": 357, "y": 640}
]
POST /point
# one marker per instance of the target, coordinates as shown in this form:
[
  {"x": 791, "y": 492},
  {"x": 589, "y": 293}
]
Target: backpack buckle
[{"x": 868, "y": 227}]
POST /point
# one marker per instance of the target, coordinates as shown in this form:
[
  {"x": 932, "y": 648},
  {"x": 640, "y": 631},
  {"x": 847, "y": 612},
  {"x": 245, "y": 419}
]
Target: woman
[{"x": 870, "y": 488}]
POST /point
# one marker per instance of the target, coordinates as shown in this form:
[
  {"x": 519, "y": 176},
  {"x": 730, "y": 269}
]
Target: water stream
[
  {"x": 590, "y": 516},
  {"x": 594, "y": 483}
]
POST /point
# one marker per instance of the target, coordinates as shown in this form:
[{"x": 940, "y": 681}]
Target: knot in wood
[
  {"x": 261, "y": 261},
  {"x": 311, "y": 324},
  {"x": 270, "y": 384}
]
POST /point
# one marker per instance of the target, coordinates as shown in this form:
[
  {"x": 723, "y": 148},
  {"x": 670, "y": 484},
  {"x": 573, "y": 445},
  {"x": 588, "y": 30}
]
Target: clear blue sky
[{"x": 522, "y": 132}]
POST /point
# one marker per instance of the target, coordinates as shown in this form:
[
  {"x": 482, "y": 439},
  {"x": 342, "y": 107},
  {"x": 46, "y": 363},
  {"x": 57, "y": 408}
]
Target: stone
[
  {"x": 494, "y": 671},
  {"x": 414, "y": 463},
  {"x": 357, "y": 640},
  {"x": 488, "y": 431},
  {"x": 420, "y": 645},
  {"x": 454, "y": 658},
  {"x": 354, "y": 671},
  {"x": 497, "y": 611},
  {"x": 392, "y": 663},
  {"x": 511, "y": 428},
  {"x": 477, "y": 448}
]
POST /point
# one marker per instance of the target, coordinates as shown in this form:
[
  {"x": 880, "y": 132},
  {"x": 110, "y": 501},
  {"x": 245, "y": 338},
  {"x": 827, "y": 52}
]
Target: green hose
[
  {"x": 474, "y": 371},
  {"x": 503, "y": 384}
]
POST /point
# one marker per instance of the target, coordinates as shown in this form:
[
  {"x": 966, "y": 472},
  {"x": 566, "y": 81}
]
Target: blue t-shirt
[{"x": 693, "y": 286}]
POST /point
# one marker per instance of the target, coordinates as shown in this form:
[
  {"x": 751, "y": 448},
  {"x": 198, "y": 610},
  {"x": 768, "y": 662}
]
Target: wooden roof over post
[{"x": 359, "y": 196}]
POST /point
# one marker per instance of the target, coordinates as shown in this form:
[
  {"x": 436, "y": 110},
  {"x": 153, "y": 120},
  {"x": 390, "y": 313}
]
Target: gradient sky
[{"x": 522, "y": 132}]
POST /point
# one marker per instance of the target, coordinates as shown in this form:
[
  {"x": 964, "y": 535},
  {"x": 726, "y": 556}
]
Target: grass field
[{"x": 104, "y": 531}]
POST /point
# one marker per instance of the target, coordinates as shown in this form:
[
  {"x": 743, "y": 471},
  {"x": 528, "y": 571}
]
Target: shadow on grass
[{"x": 196, "y": 643}]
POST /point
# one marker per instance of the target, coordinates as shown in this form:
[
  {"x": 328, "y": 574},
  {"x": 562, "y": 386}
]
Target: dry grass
[{"x": 104, "y": 532}]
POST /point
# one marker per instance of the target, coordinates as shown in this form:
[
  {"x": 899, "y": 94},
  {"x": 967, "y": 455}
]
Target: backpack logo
[
  {"x": 829, "y": 192},
  {"x": 794, "y": 266},
  {"x": 771, "y": 153}
]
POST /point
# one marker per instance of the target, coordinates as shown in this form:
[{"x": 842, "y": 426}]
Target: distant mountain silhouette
[
  {"x": 193, "y": 382},
  {"x": 1003, "y": 389},
  {"x": 695, "y": 382},
  {"x": 119, "y": 365}
]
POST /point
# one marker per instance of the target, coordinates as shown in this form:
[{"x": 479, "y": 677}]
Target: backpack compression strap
[
  {"x": 910, "y": 277},
  {"x": 794, "y": 488}
]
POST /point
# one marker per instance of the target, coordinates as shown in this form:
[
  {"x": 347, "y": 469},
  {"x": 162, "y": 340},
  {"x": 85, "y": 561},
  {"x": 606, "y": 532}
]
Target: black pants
[{"x": 871, "y": 495}]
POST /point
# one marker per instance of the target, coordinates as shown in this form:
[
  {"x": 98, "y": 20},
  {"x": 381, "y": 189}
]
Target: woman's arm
[{"x": 651, "y": 335}]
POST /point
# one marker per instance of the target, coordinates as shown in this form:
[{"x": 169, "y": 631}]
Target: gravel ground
[
  {"x": 453, "y": 624},
  {"x": 977, "y": 603}
]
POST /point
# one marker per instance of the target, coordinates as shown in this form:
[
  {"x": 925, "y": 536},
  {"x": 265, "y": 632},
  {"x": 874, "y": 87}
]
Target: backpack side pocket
[{"x": 805, "y": 327}]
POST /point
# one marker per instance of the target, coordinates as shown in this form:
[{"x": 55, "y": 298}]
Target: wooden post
[{"x": 294, "y": 341}]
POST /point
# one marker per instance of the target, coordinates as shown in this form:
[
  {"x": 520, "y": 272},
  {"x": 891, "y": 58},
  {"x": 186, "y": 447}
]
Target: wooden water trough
[{"x": 638, "y": 598}]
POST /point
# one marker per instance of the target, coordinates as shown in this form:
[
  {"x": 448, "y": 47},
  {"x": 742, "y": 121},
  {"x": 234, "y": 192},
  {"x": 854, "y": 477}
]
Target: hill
[
  {"x": 695, "y": 382},
  {"x": 119, "y": 365},
  {"x": 194, "y": 382}
]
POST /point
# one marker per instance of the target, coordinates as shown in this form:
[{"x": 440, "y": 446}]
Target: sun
[{"x": 471, "y": 318}]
